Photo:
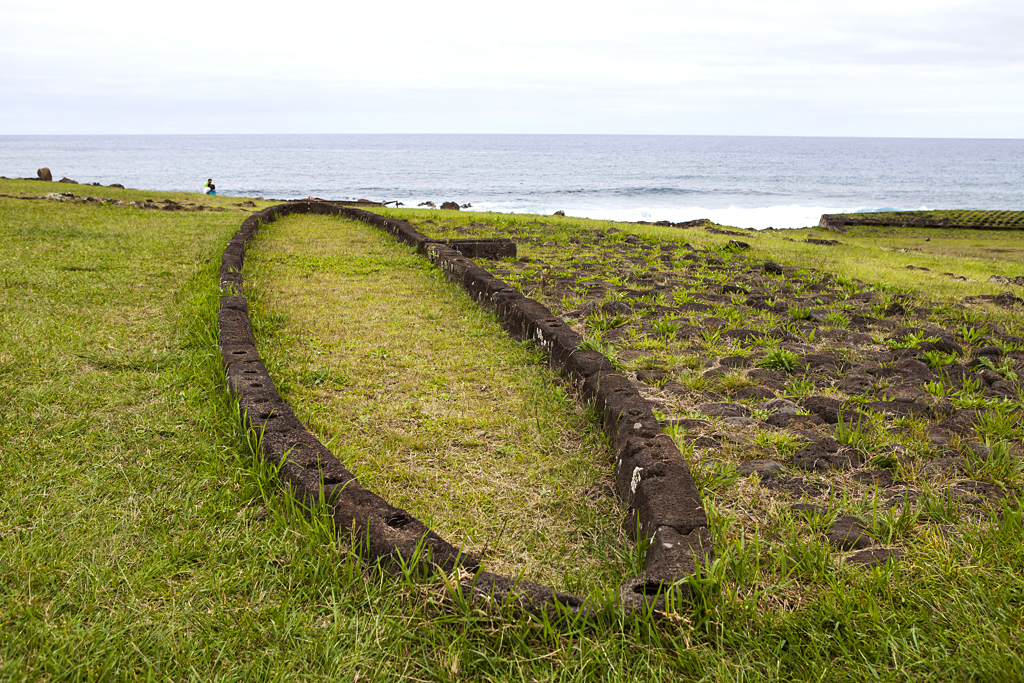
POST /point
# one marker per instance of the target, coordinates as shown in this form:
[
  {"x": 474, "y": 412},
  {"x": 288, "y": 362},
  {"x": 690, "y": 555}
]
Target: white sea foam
[{"x": 787, "y": 216}]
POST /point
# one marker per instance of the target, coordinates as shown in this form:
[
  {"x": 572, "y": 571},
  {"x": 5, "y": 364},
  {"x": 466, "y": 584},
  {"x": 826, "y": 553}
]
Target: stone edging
[{"x": 651, "y": 476}]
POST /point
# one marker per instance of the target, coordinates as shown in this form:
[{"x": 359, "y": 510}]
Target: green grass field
[{"x": 140, "y": 541}]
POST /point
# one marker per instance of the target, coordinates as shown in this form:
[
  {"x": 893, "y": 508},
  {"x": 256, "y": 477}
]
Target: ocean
[{"x": 759, "y": 182}]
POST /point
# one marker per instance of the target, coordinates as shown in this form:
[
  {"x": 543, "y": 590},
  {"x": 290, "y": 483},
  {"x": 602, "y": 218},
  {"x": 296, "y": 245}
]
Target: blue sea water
[{"x": 756, "y": 182}]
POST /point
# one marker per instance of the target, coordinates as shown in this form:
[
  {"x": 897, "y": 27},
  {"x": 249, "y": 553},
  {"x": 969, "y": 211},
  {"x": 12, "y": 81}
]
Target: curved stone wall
[{"x": 651, "y": 476}]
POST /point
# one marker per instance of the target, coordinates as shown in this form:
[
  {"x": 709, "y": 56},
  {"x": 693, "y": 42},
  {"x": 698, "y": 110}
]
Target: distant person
[{"x": 209, "y": 187}]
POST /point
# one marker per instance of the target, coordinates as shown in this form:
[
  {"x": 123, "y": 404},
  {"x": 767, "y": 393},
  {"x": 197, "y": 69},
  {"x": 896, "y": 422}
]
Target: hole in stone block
[
  {"x": 238, "y": 353},
  {"x": 256, "y": 384},
  {"x": 648, "y": 588},
  {"x": 398, "y": 520}
]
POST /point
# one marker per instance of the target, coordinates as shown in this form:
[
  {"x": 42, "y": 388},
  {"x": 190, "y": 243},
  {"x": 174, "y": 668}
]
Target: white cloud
[{"x": 875, "y": 68}]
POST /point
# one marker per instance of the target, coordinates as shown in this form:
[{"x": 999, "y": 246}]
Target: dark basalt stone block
[
  {"x": 250, "y": 384},
  {"x": 615, "y": 395},
  {"x": 264, "y": 415},
  {"x": 402, "y": 230},
  {"x": 453, "y": 264},
  {"x": 493, "y": 248},
  {"x": 668, "y": 500},
  {"x": 531, "y": 597},
  {"x": 230, "y": 282},
  {"x": 758, "y": 393},
  {"x": 392, "y": 536},
  {"x": 231, "y": 263},
  {"x": 307, "y": 466},
  {"x": 235, "y": 303},
  {"x": 234, "y": 328},
  {"x": 651, "y": 474},
  {"x": 673, "y": 555},
  {"x": 241, "y": 353},
  {"x": 582, "y": 364},
  {"x": 487, "y": 290},
  {"x": 558, "y": 339}
]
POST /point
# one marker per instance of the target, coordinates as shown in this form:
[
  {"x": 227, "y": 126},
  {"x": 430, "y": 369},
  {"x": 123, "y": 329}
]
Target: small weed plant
[
  {"x": 780, "y": 359},
  {"x": 666, "y": 329},
  {"x": 800, "y": 313},
  {"x": 855, "y": 432},
  {"x": 938, "y": 359}
]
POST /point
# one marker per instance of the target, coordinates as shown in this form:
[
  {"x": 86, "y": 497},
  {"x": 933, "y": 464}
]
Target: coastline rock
[
  {"x": 450, "y": 206},
  {"x": 45, "y": 175}
]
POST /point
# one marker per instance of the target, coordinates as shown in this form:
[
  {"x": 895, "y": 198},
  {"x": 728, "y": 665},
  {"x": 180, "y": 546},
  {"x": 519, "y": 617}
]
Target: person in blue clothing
[{"x": 209, "y": 187}]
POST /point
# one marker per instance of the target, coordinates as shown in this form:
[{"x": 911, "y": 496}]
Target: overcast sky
[{"x": 934, "y": 68}]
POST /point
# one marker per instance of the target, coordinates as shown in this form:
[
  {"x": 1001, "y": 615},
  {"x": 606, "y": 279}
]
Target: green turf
[
  {"x": 138, "y": 540},
  {"x": 431, "y": 405}
]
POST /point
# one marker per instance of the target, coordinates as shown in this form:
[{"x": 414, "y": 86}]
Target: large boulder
[
  {"x": 450, "y": 206},
  {"x": 45, "y": 175}
]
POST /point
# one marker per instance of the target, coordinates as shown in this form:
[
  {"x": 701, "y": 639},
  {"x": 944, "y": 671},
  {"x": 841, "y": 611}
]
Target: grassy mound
[{"x": 958, "y": 218}]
